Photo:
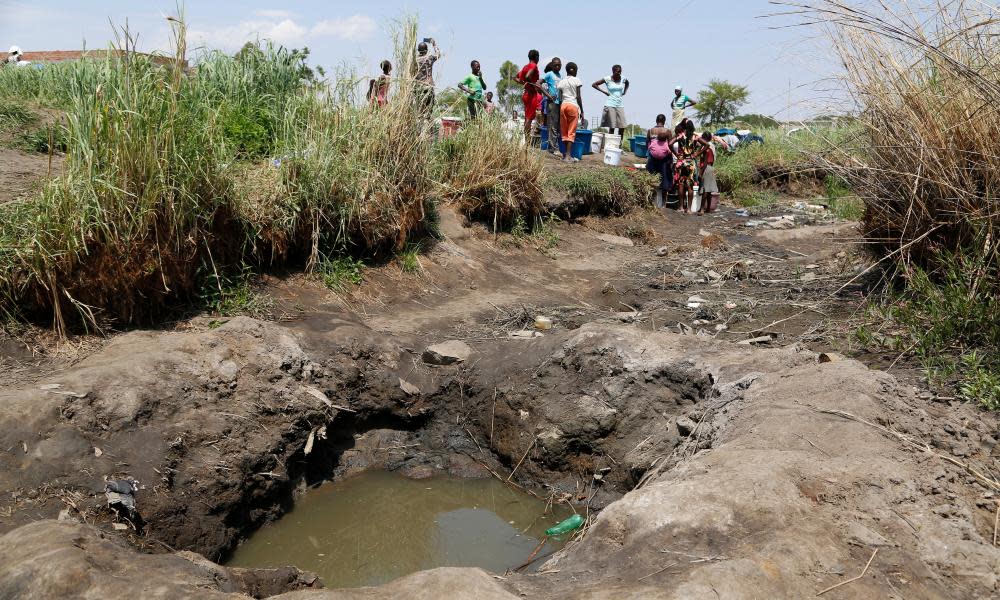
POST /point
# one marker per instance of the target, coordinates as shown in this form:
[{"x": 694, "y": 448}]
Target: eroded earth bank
[{"x": 707, "y": 468}]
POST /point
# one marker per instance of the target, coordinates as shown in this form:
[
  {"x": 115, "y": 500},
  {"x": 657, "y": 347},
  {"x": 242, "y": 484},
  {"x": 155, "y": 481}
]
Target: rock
[
  {"x": 808, "y": 277},
  {"x": 525, "y": 335},
  {"x": 685, "y": 426},
  {"x": 627, "y": 317},
  {"x": 617, "y": 240},
  {"x": 62, "y": 559},
  {"x": 662, "y": 251},
  {"x": 408, "y": 388},
  {"x": 713, "y": 275},
  {"x": 447, "y": 353}
]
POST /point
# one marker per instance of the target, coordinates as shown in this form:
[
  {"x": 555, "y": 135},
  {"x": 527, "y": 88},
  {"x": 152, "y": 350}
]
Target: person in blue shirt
[
  {"x": 613, "y": 117},
  {"x": 551, "y": 79}
]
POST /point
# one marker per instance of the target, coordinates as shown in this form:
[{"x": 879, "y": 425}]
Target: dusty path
[{"x": 721, "y": 474}]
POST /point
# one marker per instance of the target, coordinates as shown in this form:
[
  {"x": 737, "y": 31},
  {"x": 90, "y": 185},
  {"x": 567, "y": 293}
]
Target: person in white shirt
[{"x": 570, "y": 108}]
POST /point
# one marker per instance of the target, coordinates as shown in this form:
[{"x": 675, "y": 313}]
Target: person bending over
[{"x": 661, "y": 159}]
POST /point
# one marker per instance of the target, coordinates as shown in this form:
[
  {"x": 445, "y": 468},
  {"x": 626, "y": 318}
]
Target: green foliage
[
  {"x": 608, "y": 191},
  {"x": 508, "y": 89},
  {"x": 246, "y": 134},
  {"x": 757, "y": 200},
  {"x": 234, "y": 295},
  {"x": 340, "y": 273},
  {"x": 40, "y": 140},
  {"x": 720, "y": 101},
  {"x": 545, "y": 232},
  {"x": 409, "y": 259},
  {"x": 950, "y": 321},
  {"x": 14, "y": 116},
  {"x": 841, "y": 200}
]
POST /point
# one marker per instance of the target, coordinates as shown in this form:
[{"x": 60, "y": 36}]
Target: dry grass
[
  {"x": 928, "y": 85},
  {"x": 490, "y": 176}
]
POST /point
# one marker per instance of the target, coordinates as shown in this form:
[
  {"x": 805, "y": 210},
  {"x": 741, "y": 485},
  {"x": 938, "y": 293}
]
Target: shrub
[
  {"x": 608, "y": 191},
  {"x": 490, "y": 176}
]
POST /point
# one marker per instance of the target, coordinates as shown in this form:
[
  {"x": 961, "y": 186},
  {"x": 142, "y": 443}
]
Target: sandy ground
[{"x": 727, "y": 469}]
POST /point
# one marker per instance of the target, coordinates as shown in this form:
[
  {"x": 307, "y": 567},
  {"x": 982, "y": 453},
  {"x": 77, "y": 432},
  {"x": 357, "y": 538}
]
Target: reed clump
[
  {"x": 489, "y": 174},
  {"x": 927, "y": 84},
  {"x": 174, "y": 176},
  {"x": 614, "y": 192}
]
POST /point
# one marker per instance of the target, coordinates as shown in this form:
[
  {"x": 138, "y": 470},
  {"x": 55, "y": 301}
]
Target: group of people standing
[
  {"x": 681, "y": 157},
  {"x": 560, "y": 99}
]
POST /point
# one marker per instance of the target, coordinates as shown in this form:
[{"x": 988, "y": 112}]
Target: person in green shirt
[{"x": 473, "y": 86}]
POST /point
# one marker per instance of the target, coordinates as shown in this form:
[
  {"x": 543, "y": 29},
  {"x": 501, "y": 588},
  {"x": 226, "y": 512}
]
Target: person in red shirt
[{"x": 528, "y": 76}]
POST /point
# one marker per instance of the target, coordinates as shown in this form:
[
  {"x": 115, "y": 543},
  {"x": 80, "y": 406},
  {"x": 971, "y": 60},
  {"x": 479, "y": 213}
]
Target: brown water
[{"x": 378, "y": 526}]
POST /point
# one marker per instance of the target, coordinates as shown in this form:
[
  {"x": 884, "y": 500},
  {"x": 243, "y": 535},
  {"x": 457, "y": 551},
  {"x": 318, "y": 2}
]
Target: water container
[
  {"x": 640, "y": 139},
  {"x": 612, "y": 156},
  {"x": 544, "y": 132},
  {"x": 639, "y": 148},
  {"x": 612, "y": 141},
  {"x": 597, "y": 143},
  {"x": 566, "y": 526},
  {"x": 578, "y": 149},
  {"x": 585, "y": 136}
]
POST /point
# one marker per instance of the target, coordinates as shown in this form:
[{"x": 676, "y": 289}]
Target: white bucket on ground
[
  {"x": 597, "y": 142},
  {"x": 612, "y": 141},
  {"x": 612, "y": 156}
]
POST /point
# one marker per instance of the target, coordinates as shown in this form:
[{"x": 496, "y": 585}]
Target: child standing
[{"x": 570, "y": 108}]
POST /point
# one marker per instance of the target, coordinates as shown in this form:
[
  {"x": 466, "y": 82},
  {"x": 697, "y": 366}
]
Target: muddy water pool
[{"x": 378, "y": 526}]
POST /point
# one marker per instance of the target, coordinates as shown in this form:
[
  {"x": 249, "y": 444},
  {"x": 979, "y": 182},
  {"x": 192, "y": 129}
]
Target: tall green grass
[{"x": 168, "y": 177}]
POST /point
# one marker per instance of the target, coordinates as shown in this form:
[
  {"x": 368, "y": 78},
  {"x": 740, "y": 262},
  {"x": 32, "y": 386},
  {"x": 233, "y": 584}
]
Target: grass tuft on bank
[{"x": 606, "y": 191}]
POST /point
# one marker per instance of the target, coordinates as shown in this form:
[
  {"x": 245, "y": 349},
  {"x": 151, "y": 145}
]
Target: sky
[{"x": 660, "y": 45}]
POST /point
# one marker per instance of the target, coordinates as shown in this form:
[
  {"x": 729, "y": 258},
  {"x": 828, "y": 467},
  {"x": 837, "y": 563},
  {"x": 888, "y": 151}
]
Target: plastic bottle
[{"x": 566, "y": 526}]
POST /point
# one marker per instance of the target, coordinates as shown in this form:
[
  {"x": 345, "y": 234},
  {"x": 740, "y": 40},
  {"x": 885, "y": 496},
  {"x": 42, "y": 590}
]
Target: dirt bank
[{"x": 705, "y": 464}]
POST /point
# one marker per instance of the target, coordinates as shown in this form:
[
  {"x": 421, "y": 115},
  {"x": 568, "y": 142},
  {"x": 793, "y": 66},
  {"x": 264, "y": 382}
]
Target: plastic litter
[
  {"x": 543, "y": 323},
  {"x": 566, "y": 526}
]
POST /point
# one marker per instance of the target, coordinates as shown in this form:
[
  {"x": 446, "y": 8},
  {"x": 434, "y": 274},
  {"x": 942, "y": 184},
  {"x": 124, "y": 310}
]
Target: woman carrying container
[
  {"x": 570, "y": 108},
  {"x": 661, "y": 159},
  {"x": 613, "y": 116}
]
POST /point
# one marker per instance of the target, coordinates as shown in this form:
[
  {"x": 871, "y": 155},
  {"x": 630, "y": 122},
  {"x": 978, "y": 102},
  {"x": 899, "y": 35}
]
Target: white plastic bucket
[
  {"x": 612, "y": 141},
  {"x": 696, "y": 201},
  {"x": 597, "y": 143},
  {"x": 612, "y": 156}
]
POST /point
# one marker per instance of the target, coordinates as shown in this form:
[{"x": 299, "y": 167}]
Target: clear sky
[{"x": 660, "y": 44}]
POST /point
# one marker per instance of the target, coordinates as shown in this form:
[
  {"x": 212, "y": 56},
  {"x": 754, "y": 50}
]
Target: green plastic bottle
[{"x": 566, "y": 526}]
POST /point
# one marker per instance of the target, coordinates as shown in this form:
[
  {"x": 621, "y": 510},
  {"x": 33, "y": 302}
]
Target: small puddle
[{"x": 377, "y": 526}]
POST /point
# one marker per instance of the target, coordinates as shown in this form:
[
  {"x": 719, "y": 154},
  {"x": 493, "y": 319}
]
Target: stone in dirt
[
  {"x": 662, "y": 251},
  {"x": 447, "y": 353},
  {"x": 617, "y": 240}
]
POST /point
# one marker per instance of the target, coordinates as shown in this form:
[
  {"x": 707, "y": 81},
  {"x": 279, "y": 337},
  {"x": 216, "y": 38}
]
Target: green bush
[
  {"x": 607, "y": 191},
  {"x": 950, "y": 321}
]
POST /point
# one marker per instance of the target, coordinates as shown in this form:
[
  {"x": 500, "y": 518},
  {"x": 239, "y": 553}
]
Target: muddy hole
[{"x": 377, "y": 526}]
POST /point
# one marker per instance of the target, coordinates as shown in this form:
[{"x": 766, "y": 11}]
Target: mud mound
[{"x": 717, "y": 470}]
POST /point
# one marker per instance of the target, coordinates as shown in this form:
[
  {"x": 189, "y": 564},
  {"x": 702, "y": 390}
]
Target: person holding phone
[{"x": 425, "y": 74}]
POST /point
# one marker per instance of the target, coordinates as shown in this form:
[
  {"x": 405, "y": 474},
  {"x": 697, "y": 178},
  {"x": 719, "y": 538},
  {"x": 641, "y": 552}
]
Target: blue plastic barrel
[
  {"x": 586, "y": 136},
  {"x": 578, "y": 149},
  {"x": 640, "y": 138}
]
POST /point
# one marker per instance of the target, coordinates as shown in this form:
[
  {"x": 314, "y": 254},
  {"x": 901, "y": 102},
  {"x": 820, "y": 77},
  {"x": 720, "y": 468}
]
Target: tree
[
  {"x": 720, "y": 102},
  {"x": 508, "y": 89}
]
